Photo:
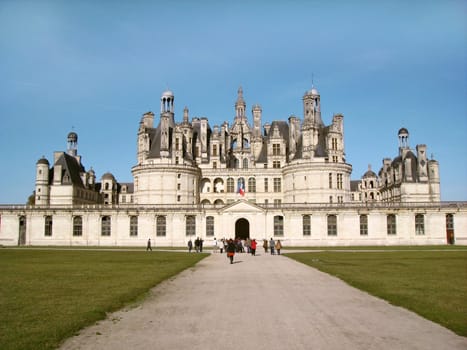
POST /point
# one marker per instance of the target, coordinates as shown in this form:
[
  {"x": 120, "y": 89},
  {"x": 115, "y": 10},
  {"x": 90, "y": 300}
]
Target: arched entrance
[{"x": 242, "y": 229}]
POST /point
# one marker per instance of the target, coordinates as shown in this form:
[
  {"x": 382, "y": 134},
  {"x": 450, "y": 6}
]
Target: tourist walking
[
  {"x": 148, "y": 247},
  {"x": 265, "y": 245},
  {"x": 231, "y": 250},
  {"x": 197, "y": 244},
  {"x": 201, "y": 245},
  {"x": 221, "y": 245},
  {"x": 272, "y": 245},
  {"x": 278, "y": 247},
  {"x": 190, "y": 246},
  {"x": 253, "y": 246}
]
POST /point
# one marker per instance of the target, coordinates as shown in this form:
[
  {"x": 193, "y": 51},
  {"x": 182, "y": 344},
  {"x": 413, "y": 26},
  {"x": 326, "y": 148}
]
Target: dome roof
[
  {"x": 312, "y": 91},
  {"x": 167, "y": 93},
  {"x": 72, "y": 136},
  {"x": 43, "y": 161},
  {"x": 403, "y": 131},
  {"x": 108, "y": 176},
  {"x": 369, "y": 173}
]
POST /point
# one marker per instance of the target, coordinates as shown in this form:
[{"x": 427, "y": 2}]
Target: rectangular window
[
  {"x": 210, "y": 226},
  {"x": 334, "y": 144},
  {"x": 363, "y": 225},
  {"x": 123, "y": 199},
  {"x": 339, "y": 181},
  {"x": 277, "y": 184},
  {"x": 177, "y": 160},
  {"x": 419, "y": 224},
  {"x": 77, "y": 226},
  {"x": 278, "y": 225},
  {"x": 133, "y": 226},
  {"x": 277, "y": 203},
  {"x": 391, "y": 224},
  {"x": 190, "y": 228},
  {"x": 105, "y": 226},
  {"x": 214, "y": 165},
  {"x": 266, "y": 185},
  {"x": 276, "y": 149},
  {"x": 340, "y": 199},
  {"x": 214, "y": 150},
  {"x": 276, "y": 164},
  {"x": 161, "y": 224},
  {"x": 48, "y": 226},
  {"x": 306, "y": 223},
  {"x": 177, "y": 144},
  {"x": 252, "y": 184},
  {"x": 179, "y": 186},
  {"x": 335, "y": 159},
  {"x": 330, "y": 180},
  {"x": 332, "y": 225}
]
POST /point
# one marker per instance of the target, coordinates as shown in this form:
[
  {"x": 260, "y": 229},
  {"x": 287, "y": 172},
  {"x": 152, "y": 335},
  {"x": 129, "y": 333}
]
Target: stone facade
[{"x": 287, "y": 179}]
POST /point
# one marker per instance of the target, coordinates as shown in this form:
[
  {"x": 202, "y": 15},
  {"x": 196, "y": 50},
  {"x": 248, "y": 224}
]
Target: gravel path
[{"x": 262, "y": 302}]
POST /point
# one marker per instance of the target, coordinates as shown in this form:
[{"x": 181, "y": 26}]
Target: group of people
[
  {"x": 232, "y": 246},
  {"x": 198, "y": 245}
]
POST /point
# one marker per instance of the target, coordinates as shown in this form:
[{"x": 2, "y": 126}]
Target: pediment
[{"x": 242, "y": 206}]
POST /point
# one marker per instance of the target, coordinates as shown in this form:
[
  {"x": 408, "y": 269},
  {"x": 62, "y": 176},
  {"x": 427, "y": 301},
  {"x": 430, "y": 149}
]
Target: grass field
[
  {"x": 430, "y": 283},
  {"x": 48, "y": 295}
]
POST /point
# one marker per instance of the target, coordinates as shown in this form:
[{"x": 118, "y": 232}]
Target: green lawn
[
  {"x": 430, "y": 283},
  {"x": 48, "y": 295}
]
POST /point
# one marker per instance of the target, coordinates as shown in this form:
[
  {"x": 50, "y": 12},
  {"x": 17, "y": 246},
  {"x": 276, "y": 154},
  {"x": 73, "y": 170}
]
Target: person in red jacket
[{"x": 253, "y": 246}]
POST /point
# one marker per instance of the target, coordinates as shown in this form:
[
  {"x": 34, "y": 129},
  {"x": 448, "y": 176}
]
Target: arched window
[
  {"x": 48, "y": 225},
  {"x": 245, "y": 163},
  {"x": 230, "y": 185},
  {"x": 363, "y": 225},
  {"x": 161, "y": 226},
  {"x": 419, "y": 224},
  {"x": 77, "y": 226},
  {"x": 190, "y": 226},
  {"x": 251, "y": 184},
  {"x": 391, "y": 224},
  {"x": 332, "y": 225},
  {"x": 106, "y": 226},
  {"x": 278, "y": 225},
  {"x": 306, "y": 223},
  {"x": 210, "y": 226},
  {"x": 133, "y": 225}
]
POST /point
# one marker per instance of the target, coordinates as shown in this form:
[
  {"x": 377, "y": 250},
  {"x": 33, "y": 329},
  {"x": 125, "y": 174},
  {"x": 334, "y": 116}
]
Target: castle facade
[{"x": 287, "y": 179}]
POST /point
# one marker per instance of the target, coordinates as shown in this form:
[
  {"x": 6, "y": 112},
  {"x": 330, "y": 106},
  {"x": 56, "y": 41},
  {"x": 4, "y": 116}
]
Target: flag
[{"x": 241, "y": 188}]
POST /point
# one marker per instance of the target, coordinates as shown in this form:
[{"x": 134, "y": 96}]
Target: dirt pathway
[{"x": 263, "y": 302}]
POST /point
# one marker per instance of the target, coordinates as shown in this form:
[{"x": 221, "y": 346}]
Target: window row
[
  {"x": 391, "y": 224},
  {"x": 278, "y": 224}
]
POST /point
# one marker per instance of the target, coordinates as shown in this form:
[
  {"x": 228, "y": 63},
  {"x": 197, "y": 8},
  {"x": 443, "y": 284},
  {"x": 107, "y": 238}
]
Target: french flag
[{"x": 241, "y": 188}]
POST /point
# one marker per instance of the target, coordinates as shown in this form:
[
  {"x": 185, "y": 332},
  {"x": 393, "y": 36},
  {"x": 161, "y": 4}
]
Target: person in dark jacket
[{"x": 231, "y": 250}]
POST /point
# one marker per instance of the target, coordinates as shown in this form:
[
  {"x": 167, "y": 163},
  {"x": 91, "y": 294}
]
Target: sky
[{"x": 95, "y": 67}]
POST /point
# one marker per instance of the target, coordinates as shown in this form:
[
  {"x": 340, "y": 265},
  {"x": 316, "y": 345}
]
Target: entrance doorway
[{"x": 242, "y": 229}]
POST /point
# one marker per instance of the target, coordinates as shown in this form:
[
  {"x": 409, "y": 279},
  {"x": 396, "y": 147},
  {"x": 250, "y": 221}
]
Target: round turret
[
  {"x": 403, "y": 132},
  {"x": 72, "y": 137},
  {"x": 43, "y": 161}
]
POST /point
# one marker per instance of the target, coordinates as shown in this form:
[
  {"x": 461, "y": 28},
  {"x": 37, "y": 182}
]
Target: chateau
[{"x": 287, "y": 179}]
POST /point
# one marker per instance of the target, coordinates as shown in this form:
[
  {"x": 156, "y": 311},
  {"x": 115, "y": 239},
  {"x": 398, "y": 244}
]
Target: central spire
[{"x": 240, "y": 105}]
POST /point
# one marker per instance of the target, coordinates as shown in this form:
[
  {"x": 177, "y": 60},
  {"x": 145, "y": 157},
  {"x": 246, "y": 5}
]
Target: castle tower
[
  {"x": 403, "y": 135},
  {"x": 72, "y": 144},
  {"x": 42, "y": 182},
  {"x": 167, "y": 121},
  {"x": 312, "y": 122},
  {"x": 240, "y": 105}
]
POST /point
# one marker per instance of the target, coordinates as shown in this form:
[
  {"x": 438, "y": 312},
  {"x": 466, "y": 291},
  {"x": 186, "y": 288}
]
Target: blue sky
[{"x": 97, "y": 66}]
